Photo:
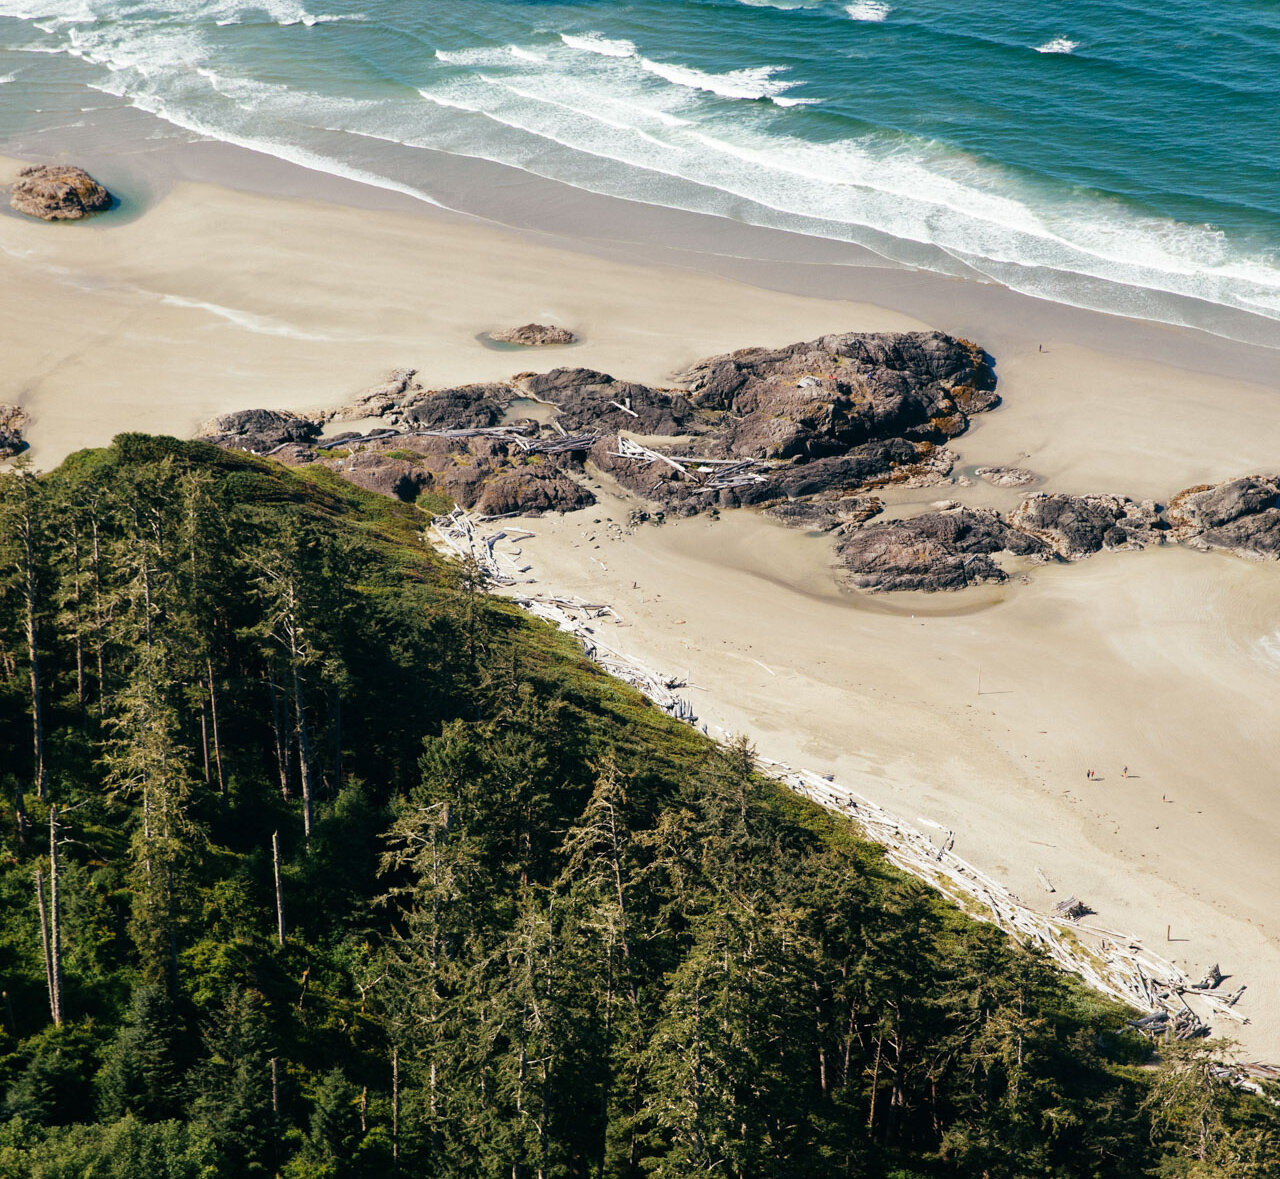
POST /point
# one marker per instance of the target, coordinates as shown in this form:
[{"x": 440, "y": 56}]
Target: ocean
[{"x": 1119, "y": 155}]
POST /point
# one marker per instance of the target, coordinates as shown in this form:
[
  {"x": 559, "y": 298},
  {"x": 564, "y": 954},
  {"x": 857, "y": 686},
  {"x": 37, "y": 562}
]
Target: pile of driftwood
[
  {"x": 458, "y": 534},
  {"x": 1110, "y": 962},
  {"x": 709, "y": 473},
  {"x": 576, "y": 617}
]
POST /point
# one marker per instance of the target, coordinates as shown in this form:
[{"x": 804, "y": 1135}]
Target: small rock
[
  {"x": 12, "y": 421},
  {"x": 1006, "y": 476},
  {"x": 58, "y": 192},
  {"x": 534, "y": 335}
]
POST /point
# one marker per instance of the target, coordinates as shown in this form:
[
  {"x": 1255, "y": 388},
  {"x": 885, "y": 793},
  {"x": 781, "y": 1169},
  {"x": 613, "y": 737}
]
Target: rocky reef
[
  {"x": 808, "y": 432},
  {"x": 825, "y": 418},
  {"x": 958, "y": 546},
  {"x": 58, "y": 192}
]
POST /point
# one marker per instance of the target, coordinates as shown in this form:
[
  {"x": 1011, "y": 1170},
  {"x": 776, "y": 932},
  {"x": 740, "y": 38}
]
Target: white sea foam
[
  {"x": 613, "y": 122},
  {"x": 868, "y": 10},
  {"x": 756, "y": 83},
  {"x": 260, "y": 324},
  {"x": 7, "y": 78},
  {"x": 594, "y": 43},
  {"x": 782, "y": 5},
  {"x": 1058, "y": 45}
]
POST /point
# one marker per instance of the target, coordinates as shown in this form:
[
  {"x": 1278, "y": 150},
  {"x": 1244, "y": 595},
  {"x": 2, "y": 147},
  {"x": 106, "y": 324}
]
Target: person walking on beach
[
  {"x": 1124, "y": 773},
  {"x": 1089, "y": 774}
]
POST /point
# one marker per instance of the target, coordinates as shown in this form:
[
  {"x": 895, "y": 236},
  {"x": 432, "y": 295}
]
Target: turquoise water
[{"x": 1117, "y": 155}]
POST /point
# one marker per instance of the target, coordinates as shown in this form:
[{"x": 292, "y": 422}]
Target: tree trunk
[
  {"x": 48, "y": 954},
  {"x": 395, "y": 1103},
  {"x": 31, "y": 598},
  {"x": 98, "y": 624},
  {"x": 282, "y": 745},
  {"x": 55, "y": 918},
  {"x": 217, "y": 742},
  {"x": 304, "y": 750},
  {"x": 204, "y": 745},
  {"x": 79, "y": 614},
  {"x": 275, "y": 860}
]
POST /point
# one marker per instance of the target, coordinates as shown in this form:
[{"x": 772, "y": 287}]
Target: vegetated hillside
[{"x": 527, "y": 925}]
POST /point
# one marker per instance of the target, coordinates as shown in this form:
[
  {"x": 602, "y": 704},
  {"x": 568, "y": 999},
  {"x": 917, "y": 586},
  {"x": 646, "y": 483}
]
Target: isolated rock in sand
[
  {"x": 534, "y": 335},
  {"x": 1006, "y": 476},
  {"x": 259, "y": 430},
  {"x": 941, "y": 550},
  {"x": 1075, "y": 526},
  {"x": 58, "y": 192},
  {"x": 1241, "y": 516},
  {"x": 13, "y": 420}
]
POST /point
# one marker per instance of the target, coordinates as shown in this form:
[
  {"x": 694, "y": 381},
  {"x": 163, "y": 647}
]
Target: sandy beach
[{"x": 1166, "y": 661}]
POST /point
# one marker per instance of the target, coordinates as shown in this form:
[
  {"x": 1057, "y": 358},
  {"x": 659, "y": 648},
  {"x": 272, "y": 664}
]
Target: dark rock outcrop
[
  {"x": 58, "y": 192},
  {"x": 947, "y": 549},
  {"x": 467, "y": 408},
  {"x": 1241, "y": 516},
  {"x": 1075, "y": 526},
  {"x": 534, "y": 335},
  {"x": 827, "y": 417},
  {"x": 479, "y": 473},
  {"x": 590, "y": 400},
  {"x": 259, "y": 430},
  {"x": 13, "y": 419},
  {"x": 825, "y": 396}
]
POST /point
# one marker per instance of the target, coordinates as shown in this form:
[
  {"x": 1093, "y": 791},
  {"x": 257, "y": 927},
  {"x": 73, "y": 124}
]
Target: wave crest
[
  {"x": 868, "y": 10},
  {"x": 1058, "y": 45}
]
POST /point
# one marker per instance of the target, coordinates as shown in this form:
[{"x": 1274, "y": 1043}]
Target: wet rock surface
[{"x": 58, "y": 192}]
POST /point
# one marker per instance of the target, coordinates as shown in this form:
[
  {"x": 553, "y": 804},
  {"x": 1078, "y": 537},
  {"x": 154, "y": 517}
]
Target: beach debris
[
  {"x": 58, "y": 192},
  {"x": 1210, "y": 980},
  {"x": 1044, "y": 880},
  {"x": 1072, "y": 909}
]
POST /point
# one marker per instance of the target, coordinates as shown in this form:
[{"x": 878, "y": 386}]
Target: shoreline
[
  {"x": 1113, "y": 963},
  {"x": 209, "y": 299}
]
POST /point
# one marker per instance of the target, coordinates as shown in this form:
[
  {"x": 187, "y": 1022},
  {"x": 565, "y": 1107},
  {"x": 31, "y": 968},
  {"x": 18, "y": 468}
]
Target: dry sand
[
  {"x": 1167, "y": 661},
  {"x": 215, "y": 300}
]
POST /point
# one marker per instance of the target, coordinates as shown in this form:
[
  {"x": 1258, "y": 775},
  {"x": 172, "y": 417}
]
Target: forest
[{"x": 316, "y": 859}]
